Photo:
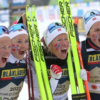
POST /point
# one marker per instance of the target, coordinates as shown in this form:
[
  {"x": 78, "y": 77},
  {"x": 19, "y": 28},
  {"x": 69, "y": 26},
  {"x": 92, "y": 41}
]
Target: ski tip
[
  {"x": 27, "y": 8},
  {"x": 33, "y": 8},
  {"x": 76, "y": 20}
]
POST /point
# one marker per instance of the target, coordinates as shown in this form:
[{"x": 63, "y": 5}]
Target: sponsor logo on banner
[
  {"x": 4, "y": 16},
  {"x": 19, "y": 3},
  {"x": 40, "y": 15},
  {"x": 51, "y": 14},
  {"x": 81, "y": 28},
  {"x": 4, "y": 4},
  {"x": 58, "y": 14}
]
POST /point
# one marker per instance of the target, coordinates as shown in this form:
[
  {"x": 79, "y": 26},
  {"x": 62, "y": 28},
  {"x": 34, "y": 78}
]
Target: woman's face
[
  {"x": 20, "y": 45},
  {"x": 59, "y": 46},
  {"x": 94, "y": 33},
  {"x": 5, "y": 50}
]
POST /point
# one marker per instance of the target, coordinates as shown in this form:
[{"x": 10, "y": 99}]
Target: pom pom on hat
[
  {"x": 90, "y": 18},
  {"x": 49, "y": 35},
  {"x": 15, "y": 22}
]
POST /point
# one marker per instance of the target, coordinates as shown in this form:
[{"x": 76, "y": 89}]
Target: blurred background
[{"x": 47, "y": 11}]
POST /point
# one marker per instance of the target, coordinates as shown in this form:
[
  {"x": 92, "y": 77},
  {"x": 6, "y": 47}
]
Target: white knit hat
[
  {"x": 90, "y": 18},
  {"x": 3, "y": 35},
  {"x": 13, "y": 34},
  {"x": 18, "y": 32},
  {"x": 50, "y": 35}
]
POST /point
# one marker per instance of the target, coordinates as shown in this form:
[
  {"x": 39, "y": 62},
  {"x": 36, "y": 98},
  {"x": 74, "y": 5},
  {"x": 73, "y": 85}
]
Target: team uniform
[
  {"x": 59, "y": 87},
  {"x": 91, "y": 51},
  {"x": 12, "y": 78},
  {"x": 61, "y": 91},
  {"x": 3, "y": 73},
  {"x": 91, "y": 60},
  {"x": 13, "y": 74}
]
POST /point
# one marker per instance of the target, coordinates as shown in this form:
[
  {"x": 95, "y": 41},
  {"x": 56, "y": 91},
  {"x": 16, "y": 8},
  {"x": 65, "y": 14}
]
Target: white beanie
[
  {"x": 49, "y": 36},
  {"x": 13, "y": 34},
  {"x": 90, "y": 20},
  {"x": 4, "y": 35}
]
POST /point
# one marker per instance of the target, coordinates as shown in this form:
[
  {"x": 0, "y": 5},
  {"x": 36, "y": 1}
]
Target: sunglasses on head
[
  {"x": 91, "y": 14},
  {"x": 17, "y": 27},
  {"x": 54, "y": 26},
  {"x": 3, "y": 30}
]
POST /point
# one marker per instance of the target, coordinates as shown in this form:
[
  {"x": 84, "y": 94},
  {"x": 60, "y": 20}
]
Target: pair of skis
[
  {"x": 37, "y": 53},
  {"x": 67, "y": 22}
]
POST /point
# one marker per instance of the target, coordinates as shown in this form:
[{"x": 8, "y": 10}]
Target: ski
[
  {"x": 41, "y": 55},
  {"x": 69, "y": 59},
  {"x": 35, "y": 54},
  {"x": 67, "y": 21},
  {"x": 38, "y": 54}
]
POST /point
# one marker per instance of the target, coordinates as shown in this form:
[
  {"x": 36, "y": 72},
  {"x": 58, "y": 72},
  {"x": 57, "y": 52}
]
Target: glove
[
  {"x": 84, "y": 74},
  {"x": 56, "y": 71}
]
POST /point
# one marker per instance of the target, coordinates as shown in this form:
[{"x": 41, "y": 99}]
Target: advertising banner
[
  {"x": 18, "y": 3},
  {"x": 4, "y": 3}
]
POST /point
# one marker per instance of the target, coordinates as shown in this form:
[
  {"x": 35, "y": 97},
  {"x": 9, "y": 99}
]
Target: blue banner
[
  {"x": 4, "y": 4},
  {"x": 17, "y": 3},
  {"x": 4, "y": 15}
]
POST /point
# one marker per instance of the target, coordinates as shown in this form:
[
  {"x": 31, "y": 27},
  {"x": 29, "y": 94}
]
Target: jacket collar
[
  {"x": 90, "y": 46},
  {"x": 12, "y": 59}
]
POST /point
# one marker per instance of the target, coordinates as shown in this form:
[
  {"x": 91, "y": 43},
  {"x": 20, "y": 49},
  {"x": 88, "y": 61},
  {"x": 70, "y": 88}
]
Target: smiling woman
[
  {"x": 13, "y": 74},
  {"x": 20, "y": 45},
  {"x": 55, "y": 48},
  {"x": 5, "y": 46},
  {"x": 90, "y": 49},
  {"x": 19, "y": 40}
]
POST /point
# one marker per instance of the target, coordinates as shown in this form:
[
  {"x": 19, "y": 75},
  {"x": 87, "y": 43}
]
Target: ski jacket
[
  {"x": 59, "y": 87},
  {"x": 61, "y": 91},
  {"x": 12, "y": 78},
  {"x": 91, "y": 59}
]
